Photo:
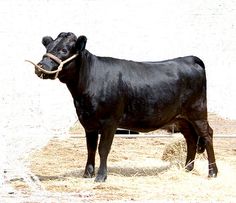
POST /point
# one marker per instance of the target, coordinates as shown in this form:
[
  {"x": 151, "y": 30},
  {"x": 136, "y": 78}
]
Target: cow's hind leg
[
  {"x": 92, "y": 140},
  {"x": 205, "y": 131},
  {"x": 191, "y": 138}
]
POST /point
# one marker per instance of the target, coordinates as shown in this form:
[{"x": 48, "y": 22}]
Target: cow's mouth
[{"x": 42, "y": 73}]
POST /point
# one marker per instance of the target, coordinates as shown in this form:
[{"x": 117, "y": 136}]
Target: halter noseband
[{"x": 57, "y": 60}]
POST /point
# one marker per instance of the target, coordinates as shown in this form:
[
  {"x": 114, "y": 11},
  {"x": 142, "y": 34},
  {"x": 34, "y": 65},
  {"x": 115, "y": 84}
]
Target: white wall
[{"x": 138, "y": 30}]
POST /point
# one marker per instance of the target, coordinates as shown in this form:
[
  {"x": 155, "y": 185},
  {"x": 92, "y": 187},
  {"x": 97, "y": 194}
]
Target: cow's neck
[{"x": 78, "y": 83}]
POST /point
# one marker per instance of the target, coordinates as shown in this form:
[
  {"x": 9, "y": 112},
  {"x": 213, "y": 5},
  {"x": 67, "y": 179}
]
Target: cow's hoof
[
  {"x": 89, "y": 172},
  {"x": 212, "y": 175},
  {"x": 189, "y": 167},
  {"x": 88, "y": 175},
  {"x": 100, "y": 178},
  {"x": 213, "y": 172}
]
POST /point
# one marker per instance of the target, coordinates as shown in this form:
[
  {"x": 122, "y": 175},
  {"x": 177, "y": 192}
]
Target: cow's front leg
[
  {"x": 106, "y": 139},
  {"x": 92, "y": 140}
]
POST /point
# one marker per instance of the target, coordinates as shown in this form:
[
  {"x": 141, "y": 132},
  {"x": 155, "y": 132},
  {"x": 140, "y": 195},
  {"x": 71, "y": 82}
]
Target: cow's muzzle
[{"x": 41, "y": 72}]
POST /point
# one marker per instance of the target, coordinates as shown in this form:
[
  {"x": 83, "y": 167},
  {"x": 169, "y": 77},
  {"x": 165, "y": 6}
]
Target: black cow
[{"x": 142, "y": 96}]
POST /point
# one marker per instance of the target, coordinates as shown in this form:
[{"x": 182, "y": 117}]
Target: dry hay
[
  {"x": 175, "y": 152},
  {"x": 135, "y": 172}
]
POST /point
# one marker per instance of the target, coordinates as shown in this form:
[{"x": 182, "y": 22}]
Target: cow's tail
[
  {"x": 199, "y": 62},
  {"x": 203, "y": 88}
]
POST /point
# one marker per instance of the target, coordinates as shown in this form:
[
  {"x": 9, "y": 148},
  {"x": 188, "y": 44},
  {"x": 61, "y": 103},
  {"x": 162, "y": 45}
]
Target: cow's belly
[
  {"x": 142, "y": 126},
  {"x": 146, "y": 121}
]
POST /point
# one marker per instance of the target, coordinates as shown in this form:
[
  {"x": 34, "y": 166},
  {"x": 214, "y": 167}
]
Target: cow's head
[{"x": 61, "y": 55}]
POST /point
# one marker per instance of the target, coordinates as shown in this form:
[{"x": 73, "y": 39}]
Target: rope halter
[{"x": 57, "y": 60}]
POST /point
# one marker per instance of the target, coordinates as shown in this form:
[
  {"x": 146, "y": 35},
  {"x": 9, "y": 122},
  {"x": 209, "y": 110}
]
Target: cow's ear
[
  {"x": 81, "y": 43},
  {"x": 46, "y": 41}
]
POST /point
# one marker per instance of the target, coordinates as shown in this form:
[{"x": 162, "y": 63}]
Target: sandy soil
[{"x": 136, "y": 170}]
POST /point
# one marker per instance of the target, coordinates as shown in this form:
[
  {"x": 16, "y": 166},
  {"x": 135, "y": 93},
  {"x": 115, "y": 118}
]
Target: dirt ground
[{"x": 136, "y": 171}]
